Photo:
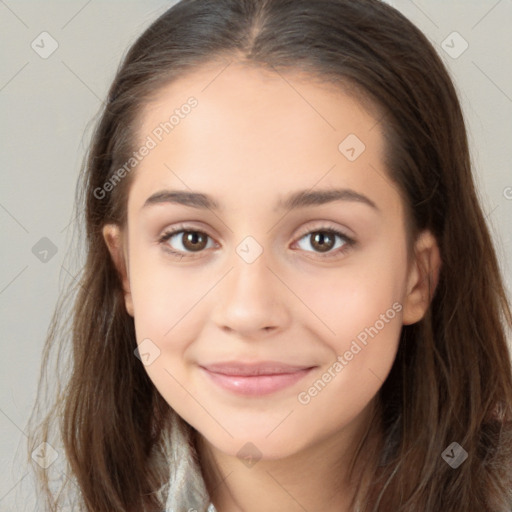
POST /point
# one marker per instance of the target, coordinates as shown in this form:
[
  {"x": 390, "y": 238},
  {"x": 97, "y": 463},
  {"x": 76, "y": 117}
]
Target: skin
[{"x": 251, "y": 141}]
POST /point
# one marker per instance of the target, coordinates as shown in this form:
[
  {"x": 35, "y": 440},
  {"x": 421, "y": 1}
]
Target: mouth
[{"x": 255, "y": 379}]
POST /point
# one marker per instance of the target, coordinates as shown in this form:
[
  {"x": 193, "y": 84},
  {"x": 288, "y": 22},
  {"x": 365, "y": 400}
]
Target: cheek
[
  {"x": 163, "y": 296},
  {"x": 164, "y": 302},
  {"x": 362, "y": 327},
  {"x": 170, "y": 309},
  {"x": 359, "y": 311},
  {"x": 348, "y": 300},
  {"x": 367, "y": 321}
]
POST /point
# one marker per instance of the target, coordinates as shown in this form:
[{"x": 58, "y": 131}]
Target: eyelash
[{"x": 348, "y": 242}]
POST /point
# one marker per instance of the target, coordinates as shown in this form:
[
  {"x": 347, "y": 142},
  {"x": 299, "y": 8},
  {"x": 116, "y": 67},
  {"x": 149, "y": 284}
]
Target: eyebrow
[{"x": 300, "y": 199}]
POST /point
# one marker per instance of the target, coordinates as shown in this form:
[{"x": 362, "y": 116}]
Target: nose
[{"x": 251, "y": 300}]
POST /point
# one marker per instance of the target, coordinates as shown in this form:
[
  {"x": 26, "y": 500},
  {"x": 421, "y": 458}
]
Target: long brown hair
[{"x": 452, "y": 377}]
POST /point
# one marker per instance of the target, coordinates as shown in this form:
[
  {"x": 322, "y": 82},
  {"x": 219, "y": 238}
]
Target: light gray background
[{"x": 47, "y": 105}]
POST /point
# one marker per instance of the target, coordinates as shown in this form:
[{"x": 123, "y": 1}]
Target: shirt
[{"x": 186, "y": 490}]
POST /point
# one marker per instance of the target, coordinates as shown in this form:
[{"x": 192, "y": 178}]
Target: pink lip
[{"x": 255, "y": 378}]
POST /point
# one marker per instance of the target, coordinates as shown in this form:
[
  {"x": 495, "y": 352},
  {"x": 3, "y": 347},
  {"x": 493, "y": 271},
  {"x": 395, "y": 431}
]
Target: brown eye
[
  {"x": 326, "y": 241},
  {"x": 184, "y": 242},
  {"x": 194, "y": 240},
  {"x": 322, "y": 241}
]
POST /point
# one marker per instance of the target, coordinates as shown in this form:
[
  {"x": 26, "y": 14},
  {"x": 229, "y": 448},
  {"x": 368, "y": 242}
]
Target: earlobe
[
  {"x": 422, "y": 279},
  {"x": 114, "y": 243}
]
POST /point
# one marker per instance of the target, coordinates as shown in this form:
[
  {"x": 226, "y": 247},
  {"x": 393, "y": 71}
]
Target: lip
[{"x": 255, "y": 379}]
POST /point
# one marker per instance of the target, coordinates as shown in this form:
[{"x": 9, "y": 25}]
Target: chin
[{"x": 255, "y": 446}]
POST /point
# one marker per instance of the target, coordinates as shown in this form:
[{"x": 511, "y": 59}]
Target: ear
[
  {"x": 114, "y": 242},
  {"x": 422, "y": 279}
]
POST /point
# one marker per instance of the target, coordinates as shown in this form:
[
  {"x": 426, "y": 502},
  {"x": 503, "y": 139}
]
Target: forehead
[
  {"x": 259, "y": 131},
  {"x": 236, "y": 90}
]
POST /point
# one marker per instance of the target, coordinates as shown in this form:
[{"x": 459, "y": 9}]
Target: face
[{"x": 267, "y": 309}]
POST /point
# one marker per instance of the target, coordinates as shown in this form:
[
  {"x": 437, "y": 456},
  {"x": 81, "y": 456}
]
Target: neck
[{"x": 316, "y": 478}]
